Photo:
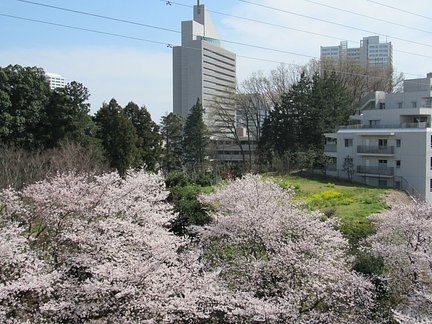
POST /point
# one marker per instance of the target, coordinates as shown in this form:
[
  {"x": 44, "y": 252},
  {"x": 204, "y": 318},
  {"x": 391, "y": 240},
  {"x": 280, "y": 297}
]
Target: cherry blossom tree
[
  {"x": 404, "y": 242},
  {"x": 82, "y": 249},
  {"x": 292, "y": 266}
]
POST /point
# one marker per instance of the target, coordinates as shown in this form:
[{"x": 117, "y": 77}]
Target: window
[
  {"x": 398, "y": 143},
  {"x": 382, "y": 142},
  {"x": 414, "y": 104},
  {"x": 399, "y": 105},
  {"x": 382, "y": 163},
  {"x": 431, "y": 162},
  {"x": 382, "y": 105},
  {"x": 430, "y": 185},
  {"x": 374, "y": 123},
  {"x": 348, "y": 142},
  {"x": 398, "y": 164}
]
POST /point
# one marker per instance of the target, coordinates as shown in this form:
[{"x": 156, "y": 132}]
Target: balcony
[
  {"x": 375, "y": 150},
  {"x": 402, "y": 125},
  {"x": 330, "y": 148},
  {"x": 375, "y": 170}
]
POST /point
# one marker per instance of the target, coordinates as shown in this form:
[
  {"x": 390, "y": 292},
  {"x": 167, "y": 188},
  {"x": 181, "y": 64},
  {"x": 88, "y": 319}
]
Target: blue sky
[{"x": 140, "y": 71}]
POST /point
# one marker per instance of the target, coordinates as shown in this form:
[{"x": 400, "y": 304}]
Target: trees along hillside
[
  {"x": 34, "y": 117},
  {"x": 195, "y": 139},
  {"x": 149, "y": 139},
  {"x": 82, "y": 249},
  {"x": 118, "y": 135},
  {"x": 24, "y": 96},
  {"x": 310, "y": 108},
  {"x": 172, "y": 134},
  {"x": 403, "y": 241},
  {"x": 67, "y": 116}
]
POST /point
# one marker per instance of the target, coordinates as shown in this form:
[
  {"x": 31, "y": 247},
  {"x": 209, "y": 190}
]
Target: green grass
[{"x": 351, "y": 203}]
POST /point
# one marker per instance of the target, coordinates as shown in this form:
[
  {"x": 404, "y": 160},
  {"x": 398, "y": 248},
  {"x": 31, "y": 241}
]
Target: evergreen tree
[
  {"x": 118, "y": 136},
  {"x": 172, "y": 134},
  {"x": 314, "y": 105},
  {"x": 24, "y": 95},
  {"x": 67, "y": 116},
  {"x": 195, "y": 139},
  {"x": 148, "y": 137}
]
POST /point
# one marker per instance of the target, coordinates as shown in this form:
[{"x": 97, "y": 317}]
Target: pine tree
[
  {"x": 195, "y": 139},
  {"x": 118, "y": 136},
  {"x": 172, "y": 134},
  {"x": 148, "y": 136}
]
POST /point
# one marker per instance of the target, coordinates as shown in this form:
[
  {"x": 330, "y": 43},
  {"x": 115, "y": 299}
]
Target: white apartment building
[
  {"x": 390, "y": 143},
  {"x": 55, "y": 80},
  {"x": 202, "y": 68},
  {"x": 371, "y": 52}
]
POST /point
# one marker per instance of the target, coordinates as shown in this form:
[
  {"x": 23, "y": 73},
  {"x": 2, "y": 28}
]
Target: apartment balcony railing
[
  {"x": 402, "y": 125},
  {"x": 330, "y": 148},
  {"x": 371, "y": 149},
  {"x": 376, "y": 170}
]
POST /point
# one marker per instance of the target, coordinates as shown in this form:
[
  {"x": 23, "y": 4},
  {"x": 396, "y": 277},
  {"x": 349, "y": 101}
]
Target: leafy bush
[
  {"x": 190, "y": 210},
  {"x": 177, "y": 178}
]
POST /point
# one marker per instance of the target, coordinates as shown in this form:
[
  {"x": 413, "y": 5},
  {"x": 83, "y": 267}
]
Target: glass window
[
  {"x": 348, "y": 142},
  {"x": 398, "y": 164},
  {"x": 382, "y": 142},
  {"x": 398, "y": 143}
]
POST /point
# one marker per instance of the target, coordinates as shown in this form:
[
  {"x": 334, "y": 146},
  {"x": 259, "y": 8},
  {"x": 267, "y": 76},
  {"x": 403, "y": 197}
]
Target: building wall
[
  {"x": 370, "y": 53},
  {"x": 202, "y": 69},
  {"x": 392, "y": 143}
]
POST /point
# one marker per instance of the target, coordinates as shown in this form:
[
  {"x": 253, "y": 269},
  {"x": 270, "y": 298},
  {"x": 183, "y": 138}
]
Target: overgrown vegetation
[{"x": 351, "y": 203}]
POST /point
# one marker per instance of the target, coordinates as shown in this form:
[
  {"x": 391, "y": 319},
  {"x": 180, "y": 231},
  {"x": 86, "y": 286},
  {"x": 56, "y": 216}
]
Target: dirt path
[{"x": 397, "y": 197}]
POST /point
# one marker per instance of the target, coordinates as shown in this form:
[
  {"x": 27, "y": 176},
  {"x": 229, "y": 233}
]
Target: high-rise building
[
  {"x": 371, "y": 53},
  {"x": 202, "y": 69},
  {"x": 55, "y": 80}
]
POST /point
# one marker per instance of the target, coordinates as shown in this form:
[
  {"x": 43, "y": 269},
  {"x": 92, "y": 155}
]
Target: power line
[
  {"x": 399, "y": 9},
  {"x": 99, "y": 16},
  {"x": 369, "y": 17},
  {"x": 178, "y": 32},
  {"x": 285, "y": 27},
  {"x": 332, "y": 22},
  {"x": 162, "y": 28},
  {"x": 169, "y": 45},
  {"x": 86, "y": 29}
]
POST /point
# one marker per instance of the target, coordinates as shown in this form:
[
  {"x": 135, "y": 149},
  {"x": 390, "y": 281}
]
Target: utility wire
[
  {"x": 285, "y": 27},
  {"x": 369, "y": 17},
  {"x": 165, "y": 29},
  {"x": 332, "y": 22},
  {"x": 399, "y": 9},
  {"x": 99, "y": 16},
  {"x": 178, "y": 32},
  {"x": 169, "y": 45},
  {"x": 86, "y": 29}
]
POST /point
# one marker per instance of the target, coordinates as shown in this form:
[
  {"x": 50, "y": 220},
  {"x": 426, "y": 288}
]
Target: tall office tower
[
  {"x": 55, "y": 80},
  {"x": 371, "y": 53},
  {"x": 202, "y": 68}
]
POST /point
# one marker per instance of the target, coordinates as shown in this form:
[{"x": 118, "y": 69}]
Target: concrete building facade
[
  {"x": 55, "y": 80},
  {"x": 371, "y": 52},
  {"x": 389, "y": 143},
  {"x": 202, "y": 69}
]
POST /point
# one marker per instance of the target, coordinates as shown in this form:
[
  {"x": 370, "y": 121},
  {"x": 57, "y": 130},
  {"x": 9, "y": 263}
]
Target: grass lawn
[{"x": 351, "y": 203}]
